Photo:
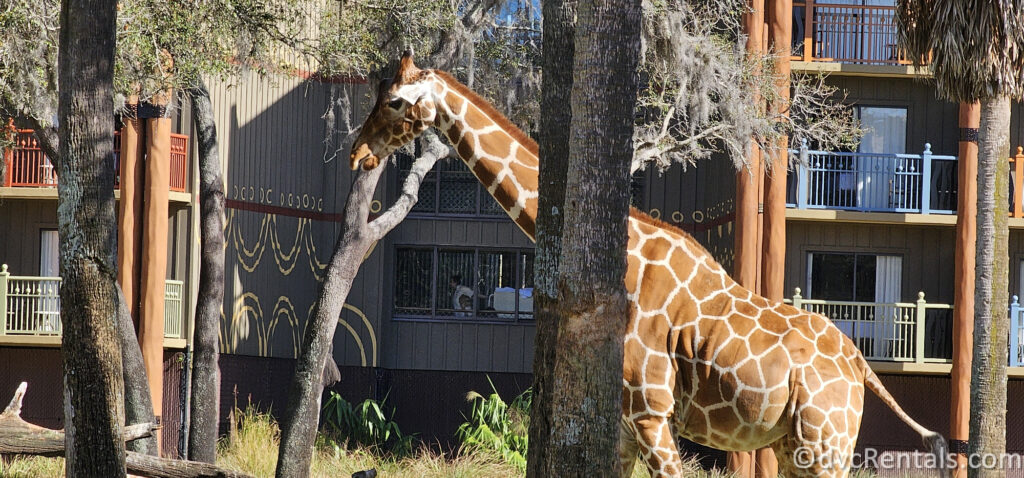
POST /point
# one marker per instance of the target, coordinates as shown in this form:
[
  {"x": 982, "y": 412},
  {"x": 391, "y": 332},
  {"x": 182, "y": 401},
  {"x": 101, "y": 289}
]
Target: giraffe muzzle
[{"x": 362, "y": 153}]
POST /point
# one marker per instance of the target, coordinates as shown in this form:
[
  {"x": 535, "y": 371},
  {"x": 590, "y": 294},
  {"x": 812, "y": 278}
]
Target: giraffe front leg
[
  {"x": 658, "y": 446},
  {"x": 628, "y": 448}
]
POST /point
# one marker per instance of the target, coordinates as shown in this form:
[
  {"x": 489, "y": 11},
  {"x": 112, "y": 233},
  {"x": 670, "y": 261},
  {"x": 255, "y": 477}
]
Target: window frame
[
  {"x": 433, "y": 180},
  {"x": 808, "y": 291},
  {"x": 442, "y": 317}
]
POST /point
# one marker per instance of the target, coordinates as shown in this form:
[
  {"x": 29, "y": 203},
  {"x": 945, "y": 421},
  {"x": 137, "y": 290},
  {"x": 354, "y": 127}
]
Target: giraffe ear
[{"x": 411, "y": 93}]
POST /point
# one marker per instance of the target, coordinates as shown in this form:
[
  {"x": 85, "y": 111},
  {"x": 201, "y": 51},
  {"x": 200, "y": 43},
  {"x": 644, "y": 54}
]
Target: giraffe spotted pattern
[{"x": 705, "y": 359}]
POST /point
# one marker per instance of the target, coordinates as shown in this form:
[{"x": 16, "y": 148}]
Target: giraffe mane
[
  {"x": 658, "y": 223},
  {"x": 489, "y": 110}
]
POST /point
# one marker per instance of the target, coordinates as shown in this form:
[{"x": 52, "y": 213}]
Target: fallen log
[{"x": 19, "y": 437}]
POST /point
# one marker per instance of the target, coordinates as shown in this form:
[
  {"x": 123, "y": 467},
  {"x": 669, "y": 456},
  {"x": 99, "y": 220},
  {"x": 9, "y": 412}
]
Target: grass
[{"x": 254, "y": 450}]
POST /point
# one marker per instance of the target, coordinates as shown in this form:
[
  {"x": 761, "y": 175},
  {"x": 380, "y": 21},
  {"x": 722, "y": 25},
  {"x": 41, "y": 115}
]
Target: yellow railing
[{"x": 31, "y": 306}]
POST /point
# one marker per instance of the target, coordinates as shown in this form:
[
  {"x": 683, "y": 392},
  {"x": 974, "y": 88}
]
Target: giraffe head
[{"x": 404, "y": 109}]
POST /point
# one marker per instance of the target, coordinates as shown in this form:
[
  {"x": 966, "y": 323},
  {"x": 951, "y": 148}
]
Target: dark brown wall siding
[{"x": 20, "y": 223}]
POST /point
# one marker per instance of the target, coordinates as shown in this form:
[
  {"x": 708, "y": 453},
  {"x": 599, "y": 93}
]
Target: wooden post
[
  {"x": 963, "y": 283},
  {"x": 1018, "y": 182},
  {"x": 129, "y": 225},
  {"x": 926, "y": 179},
  {"x": 748, "y": 194},
  {"x": 919, "y": 323},
  {"x": 3, "y": 298},
  {"x": 8, "y": 158},
  {"x": 773, "y": 262},
  {"x": 154, "y": 256},
  {"x": 1015, "y": 333},
  {"x": 808, "y": 30}
]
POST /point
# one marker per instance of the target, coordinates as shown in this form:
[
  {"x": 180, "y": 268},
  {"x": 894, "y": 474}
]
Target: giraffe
[{"x": 704, "y": 358}]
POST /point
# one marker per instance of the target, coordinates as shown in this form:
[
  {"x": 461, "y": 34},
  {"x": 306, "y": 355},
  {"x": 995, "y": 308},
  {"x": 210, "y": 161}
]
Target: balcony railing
[
  {"x": 863, "y": 34},
  {"x": 894, "y": 332},
  {"x": 910, "y": 183},
  {"x": 27, "y": 166},
  {"x": 31, "y": 306},
  {"x": 918, "y": 332}
]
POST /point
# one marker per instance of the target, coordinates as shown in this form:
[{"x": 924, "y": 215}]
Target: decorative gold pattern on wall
[
  {"x": 249, "y": 254},
  {"x": 278, "y": 334}
]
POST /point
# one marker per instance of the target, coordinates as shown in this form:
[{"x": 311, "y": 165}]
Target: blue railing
[{"x": 910, "y": 183}]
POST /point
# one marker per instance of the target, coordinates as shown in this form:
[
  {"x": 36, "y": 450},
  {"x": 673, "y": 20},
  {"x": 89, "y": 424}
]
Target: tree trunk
[
  {"x": 991, "y": 322},
  {"x": 559, "y": 46},
  {"x": 205, "y": 402},
  {"x": 592, "y": 304},
  {"x": 93, "y": 381},
  {"x": 301, "y": 417},
  {"x": 138, "y": 404}
]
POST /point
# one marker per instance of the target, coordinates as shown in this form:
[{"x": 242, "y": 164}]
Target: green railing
[{"x": 31, "y": 306}]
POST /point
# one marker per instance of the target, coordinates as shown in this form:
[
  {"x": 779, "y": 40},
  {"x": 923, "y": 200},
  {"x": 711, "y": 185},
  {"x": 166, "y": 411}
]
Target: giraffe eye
[{"x": 396, "y": 104}]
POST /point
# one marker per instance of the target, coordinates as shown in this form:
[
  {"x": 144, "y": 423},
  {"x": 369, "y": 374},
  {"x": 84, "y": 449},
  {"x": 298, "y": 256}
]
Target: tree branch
[{"x": 435, "y": 150}]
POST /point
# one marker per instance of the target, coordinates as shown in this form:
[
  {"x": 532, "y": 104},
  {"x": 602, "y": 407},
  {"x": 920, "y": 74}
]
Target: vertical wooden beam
[
  {"x": 129, "y": 225},
  {"x": 963, "y": 283},
  {"x": 8, "y": 153},
  {"x": 154, "y": 255},
  {"x": 773, "y": 262},
  {"x": 1018, "y": 183},
  {"x": 808, "y": 30},
  {"x": 748, "y": 198}
]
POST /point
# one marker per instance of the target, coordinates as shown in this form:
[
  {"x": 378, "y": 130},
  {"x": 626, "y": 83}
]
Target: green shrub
[
  {"x": 364, "y": 425},
  {"x": 495, "y": 426}
]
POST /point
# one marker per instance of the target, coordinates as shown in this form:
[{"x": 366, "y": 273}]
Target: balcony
[
  {"x": 842, "y": 33},
  {"x": 30, "y": 307},
  {"x": 910, "y": 333},
  {"x": 866, "y": 182},
  {"x": 28, "y": 167}
]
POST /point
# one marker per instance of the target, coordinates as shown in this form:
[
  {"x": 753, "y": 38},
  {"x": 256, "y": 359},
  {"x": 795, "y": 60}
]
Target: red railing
[
  {"x": 864, "y": 34},
  {"x": 27, "y": 166}
]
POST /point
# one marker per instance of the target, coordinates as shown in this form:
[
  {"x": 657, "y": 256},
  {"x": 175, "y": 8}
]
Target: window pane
[
  {"x": 526, "y": 287},
  {"x": 885, "y": 129},
  {"x": 488, "y": 205},
  {"x": 865, "y": 285},
  {"x": 458, "y": 187},
  {"x": 455, "y": 290},
  {"x": 497, "y": 272},
  {"x": 413, "y": 271},
  {"x": 832, "y": 276}
]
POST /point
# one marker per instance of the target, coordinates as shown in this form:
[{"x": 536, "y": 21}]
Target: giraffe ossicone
[{"x": 705, "y": 359}]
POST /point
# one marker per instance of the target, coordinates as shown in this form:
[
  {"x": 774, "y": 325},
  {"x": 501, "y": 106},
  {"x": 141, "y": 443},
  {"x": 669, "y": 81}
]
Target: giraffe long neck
[{"x": 501, "y": 156}]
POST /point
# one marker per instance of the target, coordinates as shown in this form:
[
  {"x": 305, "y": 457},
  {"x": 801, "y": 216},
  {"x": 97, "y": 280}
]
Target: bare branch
[{"x": 434, "y": 150}]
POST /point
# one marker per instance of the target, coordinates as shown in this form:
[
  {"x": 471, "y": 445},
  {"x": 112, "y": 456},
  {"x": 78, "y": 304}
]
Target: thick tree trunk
[
  {"x": 592, "y": 303},
  {"x": 299, "y": 423},
  {"x": 93, "y": 381},
  {"x": 559, "y": 46},
  {"x": 991, "y": 322},
  {"x": 205, "y": 402}
]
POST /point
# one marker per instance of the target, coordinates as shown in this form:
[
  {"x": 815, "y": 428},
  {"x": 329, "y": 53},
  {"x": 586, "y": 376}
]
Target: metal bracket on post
[{"x": 919, "y": 329}]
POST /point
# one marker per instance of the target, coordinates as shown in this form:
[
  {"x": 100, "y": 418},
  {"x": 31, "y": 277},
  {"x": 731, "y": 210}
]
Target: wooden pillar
[
  {"x": 773, "y": 262},
  {"x": 748, "y": 200},
  {"x": 154, "y": 255},
  {"x": 129, "y": 251},
  {"x": 963, "y": 283}
]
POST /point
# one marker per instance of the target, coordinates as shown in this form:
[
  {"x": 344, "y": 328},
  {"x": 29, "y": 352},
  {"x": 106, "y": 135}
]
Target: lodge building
[{"x": 443, "y": 304}]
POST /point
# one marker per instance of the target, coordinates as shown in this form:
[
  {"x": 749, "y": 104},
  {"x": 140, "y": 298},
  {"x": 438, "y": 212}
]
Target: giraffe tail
[{"x": 934, "y": 442}]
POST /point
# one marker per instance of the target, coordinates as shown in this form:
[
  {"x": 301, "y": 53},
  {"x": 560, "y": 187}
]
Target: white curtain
[
  {"x": 885, "y": 132},
  {"x": 889, "y": 335},
  {"x": 49, "y": 251}
]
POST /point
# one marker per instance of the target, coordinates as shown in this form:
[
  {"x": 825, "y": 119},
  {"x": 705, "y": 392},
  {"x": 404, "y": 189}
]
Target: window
[
  {"x": 450, "y": 188},
  {"x": 472, "y": 284},
  {"x": 49, "y": 253},
  {"x": 885, "y": 129}
]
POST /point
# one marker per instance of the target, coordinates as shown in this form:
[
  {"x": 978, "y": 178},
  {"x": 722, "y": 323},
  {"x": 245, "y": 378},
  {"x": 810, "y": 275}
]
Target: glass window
[
  {"x": 476, "y": 284},
  {"x": 885, "y": 129}
]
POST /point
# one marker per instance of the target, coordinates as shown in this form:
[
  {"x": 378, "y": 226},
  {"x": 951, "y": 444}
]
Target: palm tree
[{"x": 976, "y": 51}]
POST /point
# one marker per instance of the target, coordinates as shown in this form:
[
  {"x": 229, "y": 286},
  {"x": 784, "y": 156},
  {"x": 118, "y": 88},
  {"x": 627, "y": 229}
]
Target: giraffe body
[{"x": 704, "y": 358}]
